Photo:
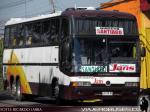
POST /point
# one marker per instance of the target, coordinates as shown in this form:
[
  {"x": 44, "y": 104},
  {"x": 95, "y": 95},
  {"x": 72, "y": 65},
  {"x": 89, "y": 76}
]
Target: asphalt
[{"x": 47, "y": 104}]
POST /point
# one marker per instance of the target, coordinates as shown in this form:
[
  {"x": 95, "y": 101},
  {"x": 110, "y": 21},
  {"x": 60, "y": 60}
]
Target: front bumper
[{"x": 95, "y": 92}]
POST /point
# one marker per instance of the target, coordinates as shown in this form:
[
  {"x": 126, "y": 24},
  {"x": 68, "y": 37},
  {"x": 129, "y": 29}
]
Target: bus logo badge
[
  {"x": 126, "y": 68},
  {"x": 108, "y": 83}
]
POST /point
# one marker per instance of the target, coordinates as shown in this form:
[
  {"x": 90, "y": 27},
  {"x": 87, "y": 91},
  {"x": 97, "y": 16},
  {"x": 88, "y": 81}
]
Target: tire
[
  {"x": 13, "y": 89},
  {"x": 19, "y": 95},
  {"x": 56, "y": 92},
  {"x": 56, "y": 89}
]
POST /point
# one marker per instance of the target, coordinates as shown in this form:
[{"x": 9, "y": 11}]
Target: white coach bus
[{"x": 73, "y": 55}]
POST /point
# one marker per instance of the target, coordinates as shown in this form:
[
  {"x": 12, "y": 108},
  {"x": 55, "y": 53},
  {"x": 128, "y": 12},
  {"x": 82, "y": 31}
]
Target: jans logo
[
  {"x": 98, "y": 81},
  {"x": 122, "y": 68}
]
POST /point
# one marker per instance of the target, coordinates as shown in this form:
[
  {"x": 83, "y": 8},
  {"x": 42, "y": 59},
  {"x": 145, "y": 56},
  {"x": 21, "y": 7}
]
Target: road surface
[{"x": 7, "y": 103}]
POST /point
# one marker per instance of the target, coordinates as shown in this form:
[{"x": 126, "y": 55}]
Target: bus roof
[
  {"x": 76, "y": 13},
  {"x": 13, "y": 21},
  {"x": 97, "y": 13}
]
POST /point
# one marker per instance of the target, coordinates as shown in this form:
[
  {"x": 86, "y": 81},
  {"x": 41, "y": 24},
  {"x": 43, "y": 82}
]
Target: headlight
[
  {"x": 80, "y": 83},
  {"x": 131, "y": 84}
]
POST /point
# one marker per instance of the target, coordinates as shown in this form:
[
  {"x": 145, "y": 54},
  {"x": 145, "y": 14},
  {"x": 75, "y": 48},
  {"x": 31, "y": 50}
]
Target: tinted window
[
  {"x": 45, "y": 36},
  {"x": 54, "y": 30},
  {"x": 28, "y": 33},
  {"x": 13, "y": 35},
  {"x": 6, "y": 39},
  {"x": 50, "y": 31},
  {"x": 88, "y": 51},
  {"x": 36, "y": 33},
  {"x": 122, "y": 49},
  {"x": 21, "y": 35},
  {"x": 33, "y": 33},
  {"x": 88, "y": 26}
]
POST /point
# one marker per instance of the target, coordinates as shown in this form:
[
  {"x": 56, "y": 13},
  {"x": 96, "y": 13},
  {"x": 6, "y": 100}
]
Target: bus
[{"x": 77, "y": 54}]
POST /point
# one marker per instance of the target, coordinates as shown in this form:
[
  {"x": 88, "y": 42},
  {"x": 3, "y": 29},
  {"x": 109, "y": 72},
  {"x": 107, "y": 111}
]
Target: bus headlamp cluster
[
  {"x": 80, "y": 83},
  {"x": 131, "y": 84}
]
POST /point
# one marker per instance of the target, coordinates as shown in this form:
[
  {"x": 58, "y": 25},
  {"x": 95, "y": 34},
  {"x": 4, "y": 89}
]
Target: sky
[
  {"x": 79, "y": 3},
  {"x": 29, "y": 8}
]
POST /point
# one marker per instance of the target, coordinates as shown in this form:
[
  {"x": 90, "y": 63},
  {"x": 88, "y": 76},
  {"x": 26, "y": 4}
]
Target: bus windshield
[
  {"x": 95, "y": 53},
  {"x": 122, "y": 49},
  {"x": 89, "y": 51},
  {"x": 87, "y": 26}
]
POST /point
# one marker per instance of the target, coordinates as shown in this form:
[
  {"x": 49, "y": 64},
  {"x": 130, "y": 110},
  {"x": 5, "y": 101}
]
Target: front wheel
[{"x": 56, "y": 92}]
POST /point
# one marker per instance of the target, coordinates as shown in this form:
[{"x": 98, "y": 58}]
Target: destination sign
[
  {"x": 93, "y": 69},
  {"x": 109, "y": 31}
]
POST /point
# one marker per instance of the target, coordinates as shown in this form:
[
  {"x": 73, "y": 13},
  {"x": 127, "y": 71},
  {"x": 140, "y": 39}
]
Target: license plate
[{"x": 107, "y": 93}]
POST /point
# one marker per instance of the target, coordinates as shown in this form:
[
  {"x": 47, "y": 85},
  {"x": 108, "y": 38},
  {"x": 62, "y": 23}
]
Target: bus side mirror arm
[{"x": 143, "y": 52}]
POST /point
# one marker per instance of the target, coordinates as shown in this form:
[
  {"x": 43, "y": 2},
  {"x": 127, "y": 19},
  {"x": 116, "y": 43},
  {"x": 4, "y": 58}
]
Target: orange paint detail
[
  {"x": 18, "y": 71},
  {"x": 128, "y": 6}
]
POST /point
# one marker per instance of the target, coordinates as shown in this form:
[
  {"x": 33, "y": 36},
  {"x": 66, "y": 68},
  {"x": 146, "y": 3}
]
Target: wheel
[
  {"x": 56, "y": 91},
  {"x": 5, "y": 86},
  {"x": 19, "y": 95},
  {"x": 13, "y": 88}
]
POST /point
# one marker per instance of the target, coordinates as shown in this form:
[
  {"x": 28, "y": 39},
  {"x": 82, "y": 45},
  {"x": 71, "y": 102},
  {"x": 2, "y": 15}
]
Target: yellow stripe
[{"x": 18, "y": 70}]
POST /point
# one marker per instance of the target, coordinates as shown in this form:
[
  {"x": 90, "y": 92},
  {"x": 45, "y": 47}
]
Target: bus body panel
[
  {"x": 34, "y": 65},
  {"x": 37, "y": 55},
  {"x": 103, "y": 80}
]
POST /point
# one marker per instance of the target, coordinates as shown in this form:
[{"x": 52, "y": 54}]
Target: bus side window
[
  {"x": 54, "y": 30},
  {"x": 6, "y": 39},
  {"x": 28, "y": 34},
  {"x": 36, "y": 33},
  {"x": 21, "y": 35},
  {"x": 14, "y": 41},
  {"x": 13, "y": 36},
  {"x": 29, "y": 40},
  {"x": 45, "y": 35}
]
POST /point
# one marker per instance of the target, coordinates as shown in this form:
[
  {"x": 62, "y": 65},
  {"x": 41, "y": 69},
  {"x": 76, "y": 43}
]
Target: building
[{"x": 141, "y": 9}]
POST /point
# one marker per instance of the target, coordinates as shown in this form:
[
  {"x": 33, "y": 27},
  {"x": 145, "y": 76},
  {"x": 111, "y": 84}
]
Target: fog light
[
  {"x": 131, "y": 84},
  {"x": 80, "y": 83}
]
